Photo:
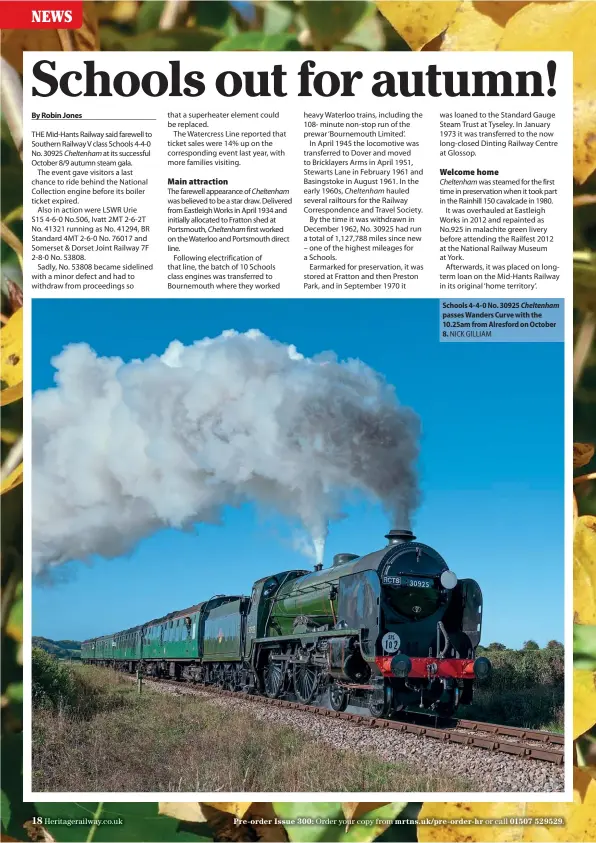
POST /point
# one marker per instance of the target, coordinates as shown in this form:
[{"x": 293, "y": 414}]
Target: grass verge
[{"x": 122, "y": 742}]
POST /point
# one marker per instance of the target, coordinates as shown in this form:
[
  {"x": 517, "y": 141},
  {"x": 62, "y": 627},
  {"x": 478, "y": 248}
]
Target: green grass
[{"x": 119, "y": 741}]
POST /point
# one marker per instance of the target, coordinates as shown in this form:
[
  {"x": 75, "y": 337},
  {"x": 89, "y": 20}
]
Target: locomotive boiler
[{"x": 392, "y": 629}]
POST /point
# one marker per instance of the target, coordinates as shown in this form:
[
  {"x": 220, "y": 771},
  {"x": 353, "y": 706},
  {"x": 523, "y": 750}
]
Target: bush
[
  {"x": 78, "y": 690},
  {"x": 54, "y": 684},
  {"x": 525, "y": 688}
]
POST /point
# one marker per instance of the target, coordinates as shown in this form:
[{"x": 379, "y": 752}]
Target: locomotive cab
[{"x": 262, "y": 600}]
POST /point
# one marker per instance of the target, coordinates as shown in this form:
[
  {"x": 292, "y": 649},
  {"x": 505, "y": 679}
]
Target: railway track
[{"x": 512, "y": 740}]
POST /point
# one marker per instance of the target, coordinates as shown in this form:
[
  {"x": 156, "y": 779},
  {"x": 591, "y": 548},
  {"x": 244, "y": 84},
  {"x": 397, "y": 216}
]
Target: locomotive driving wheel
[
  {"x": 306, "y": 681},
  {"x": 273, "y": 677},
  {"x": 338, "y": 697},
  {"x": 380, "y": 700}
]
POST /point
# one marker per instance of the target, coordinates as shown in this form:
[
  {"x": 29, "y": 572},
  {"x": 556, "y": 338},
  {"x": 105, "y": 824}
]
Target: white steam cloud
[{"x": 121, "y": 450}]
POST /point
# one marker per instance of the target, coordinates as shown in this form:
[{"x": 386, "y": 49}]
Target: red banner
[{"x": 41, "y": 14}]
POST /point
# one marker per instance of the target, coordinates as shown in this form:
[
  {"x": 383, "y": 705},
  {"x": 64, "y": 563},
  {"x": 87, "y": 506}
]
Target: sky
[{"x": 490, "y": 466}]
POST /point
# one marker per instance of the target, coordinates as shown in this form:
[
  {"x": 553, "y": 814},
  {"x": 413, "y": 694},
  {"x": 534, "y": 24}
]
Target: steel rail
[{"x": 542, "y": 748}]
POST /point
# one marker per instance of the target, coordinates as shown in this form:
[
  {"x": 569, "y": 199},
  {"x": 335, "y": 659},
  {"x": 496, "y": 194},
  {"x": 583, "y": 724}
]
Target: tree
[
  {"x": 554, "y": 645},
  {"x": 495, "y": 645},
  {"x": 530, "y": 645}
]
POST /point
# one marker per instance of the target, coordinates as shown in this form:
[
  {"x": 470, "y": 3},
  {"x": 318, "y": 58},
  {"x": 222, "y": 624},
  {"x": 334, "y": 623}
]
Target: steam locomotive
[{"x": 391, "y": 630}]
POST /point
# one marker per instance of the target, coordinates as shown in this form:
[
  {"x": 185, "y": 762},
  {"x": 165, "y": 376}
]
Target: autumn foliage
[{"x": 568, "y": 25}]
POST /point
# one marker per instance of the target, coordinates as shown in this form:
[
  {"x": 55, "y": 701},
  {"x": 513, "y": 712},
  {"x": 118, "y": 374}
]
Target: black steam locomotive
[{"x": 392, "y": 629}]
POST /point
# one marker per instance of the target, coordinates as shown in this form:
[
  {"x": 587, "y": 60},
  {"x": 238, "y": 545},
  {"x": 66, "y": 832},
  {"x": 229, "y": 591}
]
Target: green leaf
[
  {"x": 12, "y": 783},
  {"x": 199, "y": 38},
  {"x": 148, "y": 15},
  {"x": 211, "y": 13},
  {"x": 584, "y": 647},
  {"x": 326, "y": 821},
  {"x": 368, "y": 34},
  {"x": 259, "y": 41},
  {"x": 14, "y": 692},
  {"x": 139, "y": 821},
  {"x": 14, "y": 625},
  {"x": 5, "y": 809},
  {"x": 330, "y": 22},
  {"x": 330, "y": 816},
  {"x": 402, "y": 832},
  {"x": 277, "y": 17}
]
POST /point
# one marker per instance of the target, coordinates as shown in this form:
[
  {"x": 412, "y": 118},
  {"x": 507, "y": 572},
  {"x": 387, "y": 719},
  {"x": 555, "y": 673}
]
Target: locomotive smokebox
[{"x": 399, "y": 536}]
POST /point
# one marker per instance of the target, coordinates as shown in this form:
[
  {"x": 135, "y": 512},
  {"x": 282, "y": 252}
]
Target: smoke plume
[{"x": 121, "y": 450}]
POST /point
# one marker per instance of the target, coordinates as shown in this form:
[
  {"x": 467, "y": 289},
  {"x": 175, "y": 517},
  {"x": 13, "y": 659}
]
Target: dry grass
[{"x": 165, "y": 743}]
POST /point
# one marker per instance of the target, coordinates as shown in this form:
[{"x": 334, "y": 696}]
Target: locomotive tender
[{"x": 392, "y": 629}]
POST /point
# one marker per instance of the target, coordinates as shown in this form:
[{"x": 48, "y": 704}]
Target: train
[{"x": 392, "y": 630}]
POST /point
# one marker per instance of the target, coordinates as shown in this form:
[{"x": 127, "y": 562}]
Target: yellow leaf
[
  {"x": 565, "y": 26},
  {"x": 584, "y": 701},
  {"x": 418, "y": 23},
  {"x": 516, "y": 26},
  {"x": 192, "y": 812},
  {"x": 11, "y": 340},
  {"x": 14, "y": 626},
  {"x": 579, "y": 818},
  {"x": 15, "y": 41},
  {"x": 584, "y": 570},
  {"x": 445, "y": 833},
  {"x": 584, "y": 785},
  {"x": 479, "y": 25},
  {"x": 353, "y": 810},
  {"x": 239, "y": 809},
  {"x": 582, "y": 453},
  {"x": 10, "y": 394},
  {"x": 188, "y": 812},
  {"x": 123, "y": 11},
  {"x": 9, "y": 436},
  {"x": 349, "y": 809},
  {"x": 14, "y": 479},
  {"x": 36, "y": 831}
]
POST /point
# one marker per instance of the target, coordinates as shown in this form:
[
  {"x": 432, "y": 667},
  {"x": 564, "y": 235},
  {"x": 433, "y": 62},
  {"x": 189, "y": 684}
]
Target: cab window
[{"x": 269, "y": 587}]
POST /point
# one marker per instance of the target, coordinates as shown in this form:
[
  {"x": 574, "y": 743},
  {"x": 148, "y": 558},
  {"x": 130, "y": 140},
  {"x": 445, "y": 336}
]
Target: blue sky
[{"x": 491, "y": 463}]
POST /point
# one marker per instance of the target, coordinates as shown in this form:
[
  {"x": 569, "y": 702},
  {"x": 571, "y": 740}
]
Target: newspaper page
[{"x": 298, "y": 332}]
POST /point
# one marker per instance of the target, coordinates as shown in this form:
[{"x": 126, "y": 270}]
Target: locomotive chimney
[{"x": 399, "y": 536}]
